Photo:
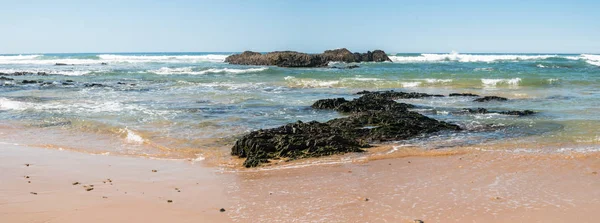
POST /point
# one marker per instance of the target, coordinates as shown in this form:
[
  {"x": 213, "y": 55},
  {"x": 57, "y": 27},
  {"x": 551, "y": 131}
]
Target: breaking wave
[{"x": 192, "y": 71}]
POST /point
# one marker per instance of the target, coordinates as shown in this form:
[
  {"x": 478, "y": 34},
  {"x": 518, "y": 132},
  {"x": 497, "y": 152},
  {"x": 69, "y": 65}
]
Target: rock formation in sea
[{"x": 297, "y": 59}]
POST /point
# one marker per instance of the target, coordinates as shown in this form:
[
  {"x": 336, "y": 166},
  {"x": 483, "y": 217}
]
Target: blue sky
[{"x": 208, "y": 26}]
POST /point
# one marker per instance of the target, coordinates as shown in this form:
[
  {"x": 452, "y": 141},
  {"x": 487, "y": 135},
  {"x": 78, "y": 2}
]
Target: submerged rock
[
  {"x": 485, "y": 111},
  {"x": 297, "y": 59},
  {"x": 463, "y": 95},
  {"x": 3, "y": 78},
  {"x": 490, "y": 98}
]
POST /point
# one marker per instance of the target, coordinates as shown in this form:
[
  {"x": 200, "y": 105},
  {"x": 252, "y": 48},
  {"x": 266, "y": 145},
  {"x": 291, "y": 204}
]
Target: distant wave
[
  {"x": 457, "y": 57},
  {"x": 78, "y": 72},
  {"x": 110, "y": 58},
  {"x": 454, "y": 56},
  {"x": 191, "y": 71}
]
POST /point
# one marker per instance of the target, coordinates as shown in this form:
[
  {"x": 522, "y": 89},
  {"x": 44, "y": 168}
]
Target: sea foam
[{"x": 191, "y": 71}]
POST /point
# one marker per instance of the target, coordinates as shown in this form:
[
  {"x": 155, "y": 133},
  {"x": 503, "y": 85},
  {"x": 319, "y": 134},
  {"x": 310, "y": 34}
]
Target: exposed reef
[{"x": 297, "y": 59}]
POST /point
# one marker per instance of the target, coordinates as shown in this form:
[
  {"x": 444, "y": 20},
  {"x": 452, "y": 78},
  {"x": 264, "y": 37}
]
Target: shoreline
[{"x": 477, "y": 186}]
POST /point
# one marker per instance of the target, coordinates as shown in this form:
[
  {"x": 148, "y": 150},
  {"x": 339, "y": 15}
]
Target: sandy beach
[{"x": 466, "y": 187}]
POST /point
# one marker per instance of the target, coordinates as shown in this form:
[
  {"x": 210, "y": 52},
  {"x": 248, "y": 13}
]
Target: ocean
[{"x": 194, "y": 106}]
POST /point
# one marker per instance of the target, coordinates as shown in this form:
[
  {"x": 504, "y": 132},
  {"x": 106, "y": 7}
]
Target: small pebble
[
  {"x": 76, "y": 183},
  {"x": 28, "y": 182},
  {"x": 169, "y": 201},
  {"x": 89, "y": 189},
  {"x": 104, "y": 197},
  {"x": 366, "y": 199},
  {"x": 26, "y": 177},
  {"x": 34, "y": 193},
  {"x": 419, "y": 221},
  {"x": 594, "y": 172},
  {"x": 222, "y": 210},
  {"x": 408, "y": 161},
  {"x": 154, "y": 171},
  {"x": 27, "y": 164}
]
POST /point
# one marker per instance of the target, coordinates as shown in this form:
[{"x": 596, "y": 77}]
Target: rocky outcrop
[
  {"x": 485, "y": 111},
  {"x": 373, "y": 117},
  {"x": 297, "y": 59},
  {"x": 490, "y": 98},
  {"x": 463, "y": 95},
  {"x": 22, "y": 73}
]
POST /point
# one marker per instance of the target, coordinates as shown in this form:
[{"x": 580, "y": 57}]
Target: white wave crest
[
  {"x": 164, "y": 58},
  {"x": 454, "y": 56},
  {"x": 310, "y": 83},
  {"x": 111, "y": 59},
  {"x": 190, "y": 70},
  {"x": 514, "y": 82},
  {"x": 437, "y": 81},
  {"x": 591, "y": 59},
  {"x": 410, "y": 84}
]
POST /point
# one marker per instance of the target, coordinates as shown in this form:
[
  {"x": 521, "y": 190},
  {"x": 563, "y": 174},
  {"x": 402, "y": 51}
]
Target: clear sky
[{"x": 34, "y": 26}]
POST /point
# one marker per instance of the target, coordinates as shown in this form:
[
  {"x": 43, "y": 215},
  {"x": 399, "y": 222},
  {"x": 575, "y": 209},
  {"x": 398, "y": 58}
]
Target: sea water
[{"x": 190, "y": 105}]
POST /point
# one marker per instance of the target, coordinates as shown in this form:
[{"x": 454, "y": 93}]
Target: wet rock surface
[
  {"x": 463, "y": 95},
  {"x": 373, "y": 117},
  {"x": 298, "y": 59},
  {"x": 485, "y": 111},
  {"x": 490, "y": 98}
]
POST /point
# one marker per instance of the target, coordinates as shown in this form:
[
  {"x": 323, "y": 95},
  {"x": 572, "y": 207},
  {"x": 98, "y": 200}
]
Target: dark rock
[
  {"x": 103, "y": 63},
  {"x": 3, "y": 78},
  {"x": 476, "y": 111},
  {"x": 222, "y": 210},
  {"x": 490, "y": 98},
  {"x": 372, "y": 102},
  {"x": 485, "y": 111},
  {"x": 42, "y": 73},
  {"x": 329, "y": 103},
  {"x": 69, "y": 81},
  {"x": 60, "y": 64},
  {"x": 294, "y": 141},
  {"x": 463, "y": 95},
  {"x": 30, "y": 82},
  {"x": 395, "y": 95},
  {"x": 94, "y": 85},
  {"x": 297, "y": 59},
  {"x": 518, "y": 113}
]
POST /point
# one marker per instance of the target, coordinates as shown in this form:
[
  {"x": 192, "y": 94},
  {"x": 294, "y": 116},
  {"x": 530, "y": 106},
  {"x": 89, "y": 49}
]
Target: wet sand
[{"x": 476, "y": 186}]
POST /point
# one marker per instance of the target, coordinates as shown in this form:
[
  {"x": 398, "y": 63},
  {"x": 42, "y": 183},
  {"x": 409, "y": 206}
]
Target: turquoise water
[{"x": 163, "y": 103}]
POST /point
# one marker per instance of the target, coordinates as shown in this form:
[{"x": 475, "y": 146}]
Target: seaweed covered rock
[
  {"x": 294, "y": 141},
  {"x": 373, "y": 117},
  {"x": 372, "y": 103},
  {"x": 490, "y": 98},
  {"x": 389, "y": 125}
]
